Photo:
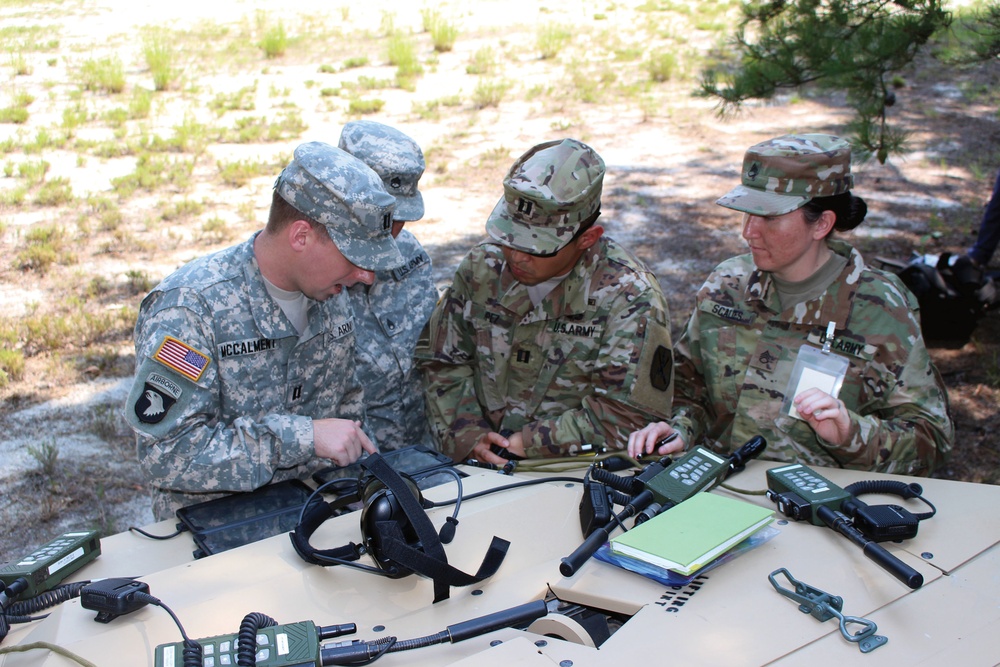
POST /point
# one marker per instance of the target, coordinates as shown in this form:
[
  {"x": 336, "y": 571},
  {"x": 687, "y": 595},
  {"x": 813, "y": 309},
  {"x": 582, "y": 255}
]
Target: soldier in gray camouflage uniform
[
  {"x": 390, "y": 313},
  {"x": 800, "y": 288},
  {"x": 551, "y": 335},
  {"x": 244, "y": 357}
]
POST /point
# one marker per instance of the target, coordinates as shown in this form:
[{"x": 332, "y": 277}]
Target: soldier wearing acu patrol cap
[
  {"x": 390, "y": 313},
  {"x": 800, "y": 295},
  {"x": 243, "y": 357},
  {"x": 551, "y": 336}
]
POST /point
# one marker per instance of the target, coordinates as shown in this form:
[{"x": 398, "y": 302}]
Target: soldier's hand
[
  {"x": 828, "y": 416},
  {"x": 340, "y": 440},
  {"x": 481, "y": 452},
  {"x": 644, "y": 441}
]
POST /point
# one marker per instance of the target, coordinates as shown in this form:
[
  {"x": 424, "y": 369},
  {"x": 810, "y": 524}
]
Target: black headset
[{"x": 395, "y": 529}]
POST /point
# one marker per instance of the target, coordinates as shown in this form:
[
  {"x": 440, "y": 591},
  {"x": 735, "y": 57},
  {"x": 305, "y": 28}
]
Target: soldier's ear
[
  {"x": 298, "y": 234},
  {"x": 590, "y": 237}
]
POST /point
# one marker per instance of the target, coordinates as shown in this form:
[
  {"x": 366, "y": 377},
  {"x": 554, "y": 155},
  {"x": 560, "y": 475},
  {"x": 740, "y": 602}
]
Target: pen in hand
[{"x": 665, "y": 439}]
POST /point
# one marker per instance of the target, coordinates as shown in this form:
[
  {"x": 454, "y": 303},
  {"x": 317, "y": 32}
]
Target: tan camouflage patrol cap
[
  {"x": 547, "y": 194},
  {"x": 395, "y": 157},
  {"x": 780, "y": 175},
  {"x": 340, "y": 192}
]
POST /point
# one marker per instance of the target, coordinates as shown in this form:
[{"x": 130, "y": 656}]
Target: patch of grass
[
  {"x": 402, "y": 54},
  {"x": 138, "y": 281},
  {"x": 33, "y": 172},
  {"x": 239, "y": 172},
  {"x": 11, "y": 366},
  {"x": 443, "y": 32},
  {"x": 239, "y": 100},
  {"x": 430, "y": 110},
  {"x": 360, "y": 107},
  {"x": 104, "y": 75},
  {"x": 215, "y": 230},
  {"x": 19, "y": 64},
  {"x": 274, "y": 42},
  {"x": 46, "y": 454},
  {"x": 43, "y": 247},
  {"x": 17, "y": 112},
  {"x": 251, "y": 129},
  {"x": 181, "y": 210},
  {"x": 483, "y": 61},
  {"x": 55, "y": 192},
  {"x": 355, "y": 62},
  {"x": 153, "y": 172},
  {"x": 551, "y": 38},
  {"x": 161, "y": 59},
  {"x": 661, "y": 65},
  {"x": 489, "y": 93}
]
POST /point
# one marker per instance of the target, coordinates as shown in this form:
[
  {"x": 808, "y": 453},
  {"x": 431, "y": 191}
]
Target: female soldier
[{"x": 801, "y": 342}]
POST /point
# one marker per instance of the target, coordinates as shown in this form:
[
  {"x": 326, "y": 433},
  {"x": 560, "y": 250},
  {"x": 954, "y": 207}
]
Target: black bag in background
[{"x": 953, "y": 293}]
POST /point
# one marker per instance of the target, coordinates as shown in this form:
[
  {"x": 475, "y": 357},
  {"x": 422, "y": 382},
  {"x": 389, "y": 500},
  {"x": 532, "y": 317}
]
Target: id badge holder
[{"x": 821, "y": 369}]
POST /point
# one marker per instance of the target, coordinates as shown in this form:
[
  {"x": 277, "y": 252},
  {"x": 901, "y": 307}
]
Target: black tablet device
[
  {"x": 416, "y": 461},
  {"x": 241, "y": 518}
]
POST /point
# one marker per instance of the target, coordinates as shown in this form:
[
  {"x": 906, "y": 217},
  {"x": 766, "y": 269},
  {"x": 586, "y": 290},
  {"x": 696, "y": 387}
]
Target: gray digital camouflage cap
[
  {"x": 780, "y": 175},
  {"x": 395, "y": 157},
  {"x": 548, "y": 193},
  {"x": 340, "y": 192}
]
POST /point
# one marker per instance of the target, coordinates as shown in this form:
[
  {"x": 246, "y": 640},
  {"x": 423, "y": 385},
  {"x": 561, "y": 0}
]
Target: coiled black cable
[
  {"x": 895, "y": 488},
  {"x": 246, "y": 654},
  {"x": 51, "y": 598},
  {"x": 616, "y": 482}
]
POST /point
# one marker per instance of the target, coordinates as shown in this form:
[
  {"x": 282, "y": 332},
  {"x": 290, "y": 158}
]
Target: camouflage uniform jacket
[
  {"x": 226, "y": 389},
  {"x": 735, "y": 360},
  {"x": 590, "y": 364},
  {"x": 389, "y": 316}
]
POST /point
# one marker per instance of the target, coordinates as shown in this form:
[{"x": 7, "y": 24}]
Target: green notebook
[{"x": 691, "y": 534}]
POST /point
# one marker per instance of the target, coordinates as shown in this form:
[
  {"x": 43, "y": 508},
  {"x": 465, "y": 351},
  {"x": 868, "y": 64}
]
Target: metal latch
[{"x": 824, "y": 606}]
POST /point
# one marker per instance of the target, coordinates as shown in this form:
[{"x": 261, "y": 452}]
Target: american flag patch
[{"x": 184, "y": 359}]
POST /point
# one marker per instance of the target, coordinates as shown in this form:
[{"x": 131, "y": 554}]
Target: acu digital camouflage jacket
[
  {"x": 735, "y": 359},
  {"x": 225, "y": 389},
  {"x": 390, "y": 315}
]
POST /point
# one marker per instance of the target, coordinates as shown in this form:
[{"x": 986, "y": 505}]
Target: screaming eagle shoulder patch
[
  {"x": 182, "y": 358},
  {"x": 158, "y": 396}
]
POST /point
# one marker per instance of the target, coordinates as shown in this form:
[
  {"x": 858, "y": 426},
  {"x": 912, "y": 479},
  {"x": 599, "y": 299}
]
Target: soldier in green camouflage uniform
[
  {"x": 390, "y": 313},
  {"x": 244, "y": 357},
  {"x": 755, "y": 312},
  {"x": 551, "y": 336}
]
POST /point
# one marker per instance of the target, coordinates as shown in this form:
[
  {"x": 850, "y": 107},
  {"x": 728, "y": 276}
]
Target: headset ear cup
[{"x": 382, "y": 518}]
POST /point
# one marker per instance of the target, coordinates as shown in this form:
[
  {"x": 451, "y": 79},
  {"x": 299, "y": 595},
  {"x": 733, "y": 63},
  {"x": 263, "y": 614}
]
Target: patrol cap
[
  {"x": 547, "y": 195},
  {"x": 340, "y": 192},
  {"x": 395, "y": 157},
  {"x": 782, "y": 174}
]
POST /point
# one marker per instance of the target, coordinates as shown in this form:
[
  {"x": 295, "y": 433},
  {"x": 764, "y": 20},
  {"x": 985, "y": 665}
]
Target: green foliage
[
  {"x": 850, "y": 45},
  {"x": 489, "y": 93},
  {"x": 360, "y": 107},
  {"x": 17, "y": 112},
  {"x": 43, "y": 247},
  {"x": 355, "y": 62},
  {"x": 240, "y": 172},
  {"x": 483, "y": 61},
  {"x": 55, "y": 192},
  {"x": 11, "y": 366},
  {"x": 153, "y": 172},
  {"x": 402, "y": 54},
  {"x": 138, "y": 281},
  {"x": 274, "y": 43},
  {"x": 661, "y": 66},
  {"x": 238, "y": 100},
  {"x": 443, "y": 33},
  {"x": 161, "y": 60},
  {"x": 46, "y": 454},
  {"x": 104, "y": 75},
  {"x": 551, "y": 38}
]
